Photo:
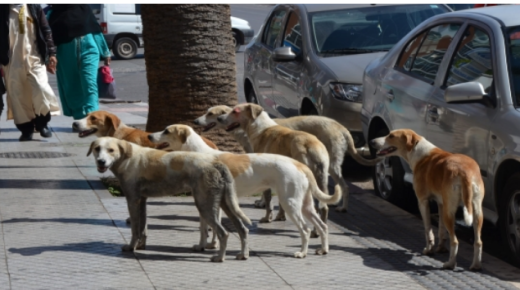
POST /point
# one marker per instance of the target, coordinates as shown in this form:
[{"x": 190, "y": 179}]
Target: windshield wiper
[{"x": 352, "y": 50}]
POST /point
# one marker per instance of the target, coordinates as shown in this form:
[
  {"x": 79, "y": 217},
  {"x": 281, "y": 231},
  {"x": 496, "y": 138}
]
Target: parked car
[
  {"x": 123, "y": 28},
  {"x": 309, "y": 59},
  {"x": 455, "y": 79}
]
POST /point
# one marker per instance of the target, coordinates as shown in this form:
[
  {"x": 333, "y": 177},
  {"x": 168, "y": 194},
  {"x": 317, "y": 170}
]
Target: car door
[
  {"x": 264, "y": 74},
  {"x": 465, "y": 128},
  {"x": 287, "y": 74},
  {"x": 407, "y": 87}
]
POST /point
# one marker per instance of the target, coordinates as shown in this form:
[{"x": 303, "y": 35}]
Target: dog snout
[
  {"x": 196, "y": 122},
  {"x": 220, "y": 119},
  {"x": 373, "y": 143},
  {"x": 101, "y": 162},
  {"x": 75, "y": 126},
  {"x": 150, "y": 137}
]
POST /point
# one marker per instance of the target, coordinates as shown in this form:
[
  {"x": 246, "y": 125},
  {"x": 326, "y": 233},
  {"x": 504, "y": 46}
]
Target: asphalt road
[{"x": 130, "y": 75}]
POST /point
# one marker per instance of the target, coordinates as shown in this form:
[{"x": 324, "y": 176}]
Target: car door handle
[{"x": 390, "y": 96}]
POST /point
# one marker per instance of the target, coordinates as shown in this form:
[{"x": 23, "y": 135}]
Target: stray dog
[
  {"x": 450, "y": 179},
  {"x": 336, "y": 138},
  {"x": 266, "y": 136},
  {"x": 145, "y": 172},
  {"x": 105, "y": 124},
  {"x": 292, "y": 180}
]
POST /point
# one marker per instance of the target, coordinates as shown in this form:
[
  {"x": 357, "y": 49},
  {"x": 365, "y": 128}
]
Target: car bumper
[{"x": 248, "y": 35}]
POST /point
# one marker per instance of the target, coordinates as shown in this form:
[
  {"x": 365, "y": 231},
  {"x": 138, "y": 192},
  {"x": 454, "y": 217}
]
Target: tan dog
[
  {"x": 145, "y": 172},
  {"x": 266, "y": 136},
  {"x": 450, "y": 179},
  {"x": 105, "y": 124},
  {"x": 336, "y": 138},
  {"x": 292, "y": 180}
]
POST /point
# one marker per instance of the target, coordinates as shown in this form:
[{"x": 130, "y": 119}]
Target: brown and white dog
[
  {"x": 146, "y": 172},
  {"x": 105, "y": 124},
  {"x": 292, "y": 180},
  {"x": 336, "y": 138},
  {"x": 452, "y": 180},
  {"x": 265, "y": 136}
]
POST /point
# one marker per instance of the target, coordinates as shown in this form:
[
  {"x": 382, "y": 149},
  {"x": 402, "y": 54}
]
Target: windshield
[
  {"x": 369, "y": 29},
  {"x": 513, "y": 36}
]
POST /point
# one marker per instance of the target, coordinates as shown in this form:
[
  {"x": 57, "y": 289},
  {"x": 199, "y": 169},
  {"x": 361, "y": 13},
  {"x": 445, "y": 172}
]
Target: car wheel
[
  {"x": 388, "y": 178},
  {"x": 236, "y": 42},
  {"x": 312, "y": 112},
  {"x": 251, "y": 97},
  {"x": 510, "y": 217},
  {"x": 125, "y": 48}
]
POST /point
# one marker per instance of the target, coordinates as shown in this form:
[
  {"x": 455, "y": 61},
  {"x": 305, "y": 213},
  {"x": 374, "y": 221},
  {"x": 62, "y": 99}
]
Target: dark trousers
[{"x": 39, "y": 123}]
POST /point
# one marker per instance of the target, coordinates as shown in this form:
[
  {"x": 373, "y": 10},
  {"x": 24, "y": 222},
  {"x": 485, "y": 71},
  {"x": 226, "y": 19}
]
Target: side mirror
[
  {"x": 283, "y": 54},
  {"x": 470, "y": 92}
]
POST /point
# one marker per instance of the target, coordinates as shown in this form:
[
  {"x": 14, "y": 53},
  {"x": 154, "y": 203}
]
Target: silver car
[
  {"x": 309, "y": 59},
  {"x": 455, "y": 79}
]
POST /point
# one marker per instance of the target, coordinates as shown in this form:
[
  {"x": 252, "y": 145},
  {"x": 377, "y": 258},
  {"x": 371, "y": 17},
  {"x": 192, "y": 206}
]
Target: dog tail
[
  {"x": 467, "y": 196},
  {"x": 351, "y": 149},
  {"x": 230, "y": 196},
  {"x": 318, "y": 193}
]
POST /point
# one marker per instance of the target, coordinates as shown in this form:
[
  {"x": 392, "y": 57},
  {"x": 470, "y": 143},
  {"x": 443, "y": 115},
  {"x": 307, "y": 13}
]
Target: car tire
[
  {"x": 125, "y": 48},
  {"x": 509, "y": 220},
  {"x": 388, "y": 178},
  {"x": 236, "y": 41},
  {"x": 312, "y": 112},
  {"x": 251, "y": 97}
]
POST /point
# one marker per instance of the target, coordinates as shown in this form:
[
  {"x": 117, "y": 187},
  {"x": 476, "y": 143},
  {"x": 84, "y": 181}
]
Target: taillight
[{"x": 104, "y": 27}]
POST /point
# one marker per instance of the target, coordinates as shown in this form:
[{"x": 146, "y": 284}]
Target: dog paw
[
  {"x": 212, "y": 245},
  {"x": 300, "y": 255},
  {"x": 241, "y": 256},
  {"x": 127, "y": 248},
  {"x": 259, "y": 203},
  {"x": 197, "y": 248},
  {"x": 340, "y": 209},
  {"x": 314, "y": 234},
  {"x": 321, "y": 252},
  {"x": 475, "y": 267},
  {"x": 141, "y": 246},
  {"x": 265, "y": 220},
  {"x": 280, "y": 217},
  {"x": 217, "y": 259},
  {"x": 449, "y": 266},
  {"x": 428, "y": 251},
  {"x": 128, "y": 221}
]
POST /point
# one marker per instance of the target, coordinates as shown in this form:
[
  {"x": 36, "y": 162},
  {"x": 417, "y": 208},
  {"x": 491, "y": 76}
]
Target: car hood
[
  {"x": 350, "y": 68},
  {"x": 238, "y": 22}
]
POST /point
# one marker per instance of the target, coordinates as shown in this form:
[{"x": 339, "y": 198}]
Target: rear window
[{"x": 366, "y": 29}]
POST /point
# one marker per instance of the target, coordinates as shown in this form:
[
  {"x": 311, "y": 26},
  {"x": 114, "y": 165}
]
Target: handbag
[{"x": 106, "y": 83}]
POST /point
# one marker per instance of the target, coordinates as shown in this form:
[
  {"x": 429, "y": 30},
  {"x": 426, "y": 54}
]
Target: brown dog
[
  {"x": 452, "y": 180},
  {"x": 105, "y": 124}
]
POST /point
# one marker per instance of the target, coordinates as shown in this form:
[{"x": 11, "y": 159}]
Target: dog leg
[
  {"x": 441, "y": 247},
  {"x": 203, "y": 236},
  {"x": 319, "y": 226},
  {"x": 281, "y": 214},
  {"x": 478, "y": 220},
  {"x": 260, "y": 203},
  {"x": 267, "y": 195},
  {"x": 297, "y": 219},
  {"x": 208, "y": 206},
  {"x": 338, "y": 179},
  {"x": 214, "y": 241},
  {"x": 449, "y": 222},
  {"x": 142, "y": 226},
  {"x": 424, "y": 207},
  {"x": 242, "y": 232},
  {"x": 134, "y": 209}
]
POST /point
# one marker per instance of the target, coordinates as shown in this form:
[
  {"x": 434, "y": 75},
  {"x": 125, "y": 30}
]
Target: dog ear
[
  {"x": 256, "y": 110},
  {"x": 124, "y": 148},
  {"x": 90, "y": 149},
  {"x": 113, "y": 123},
  {"x": 411, "y": 140},
  {"x": 183, "y": 134}
]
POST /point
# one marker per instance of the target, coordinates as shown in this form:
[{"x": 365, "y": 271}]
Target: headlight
[{"x": 346, "y": 92}]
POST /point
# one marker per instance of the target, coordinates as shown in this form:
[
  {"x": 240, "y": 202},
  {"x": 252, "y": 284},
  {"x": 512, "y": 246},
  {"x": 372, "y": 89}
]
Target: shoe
[
  {"x": 45, "y": 132},
  {"x": 26, "y": 137}
]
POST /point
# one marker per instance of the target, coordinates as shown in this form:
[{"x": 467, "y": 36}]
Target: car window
[
  {"x": 292, "y": 37},
  {"x": 513, "y": 36},
  {"x": 408, "y": 54},
  {"x": 273, "y": 28},
  {"x": 366, "y": 29},
  {"x": 472, "y": 60},
  {"x": 431, "y": 52}
]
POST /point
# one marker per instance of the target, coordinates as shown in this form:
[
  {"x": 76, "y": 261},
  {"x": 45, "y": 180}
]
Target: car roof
[
  {"x": 507, "y": 14},
  {"x": 325, "y": 7}
]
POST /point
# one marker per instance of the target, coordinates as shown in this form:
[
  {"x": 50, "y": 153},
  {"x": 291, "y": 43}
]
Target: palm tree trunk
[{"x": 190, "y": 65}]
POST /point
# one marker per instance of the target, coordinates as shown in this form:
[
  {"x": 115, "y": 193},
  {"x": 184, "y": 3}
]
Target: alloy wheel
[
  {"x": 513, "y": 223},
  {"x": 384, "y": 175}
]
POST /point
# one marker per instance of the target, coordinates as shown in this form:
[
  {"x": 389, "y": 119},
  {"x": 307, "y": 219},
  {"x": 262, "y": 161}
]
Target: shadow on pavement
[{"x": 44, "y": 184}]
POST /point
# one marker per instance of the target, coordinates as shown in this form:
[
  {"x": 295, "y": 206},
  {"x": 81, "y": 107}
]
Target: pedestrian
[
  {"x": 26, "y": 49},
  {"x": 81, "y": 45}
]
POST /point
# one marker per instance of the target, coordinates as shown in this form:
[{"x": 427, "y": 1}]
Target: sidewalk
[{"x": 61, "y": 229}]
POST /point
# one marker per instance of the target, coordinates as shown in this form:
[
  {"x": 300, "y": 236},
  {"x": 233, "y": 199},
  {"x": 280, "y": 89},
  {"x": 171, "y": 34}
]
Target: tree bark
[{"x": 190, "y": 65}]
